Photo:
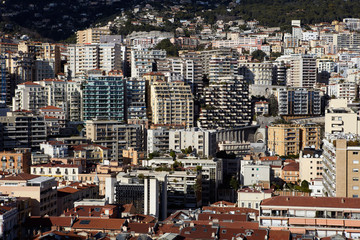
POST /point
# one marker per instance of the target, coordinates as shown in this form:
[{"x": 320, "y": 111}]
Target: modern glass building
[{"x": 104, "y": 98}]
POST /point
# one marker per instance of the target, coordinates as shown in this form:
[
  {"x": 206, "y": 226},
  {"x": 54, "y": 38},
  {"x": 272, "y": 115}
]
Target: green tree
[
  {"x": 258, "y": 55},
  {"x": 172, "y": 154},
  {"x": 234, "y": 184},
  {"x": 273, "y": 106},
  {"x": 171, "y": 49}
]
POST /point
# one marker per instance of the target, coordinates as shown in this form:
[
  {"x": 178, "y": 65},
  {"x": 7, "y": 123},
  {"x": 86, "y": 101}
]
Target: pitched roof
[
  {"x": 223, "y": 217},
  {"x": 230, "y": 210},
  {"x": 99, "y": 223},
  {"x": 29, "y": 83},
  {"x": 50, "y": 108},
  {"x": 326, "y": 202},
  {"x": 20, "y": 177},
  {"x": 294, "y": 166}
]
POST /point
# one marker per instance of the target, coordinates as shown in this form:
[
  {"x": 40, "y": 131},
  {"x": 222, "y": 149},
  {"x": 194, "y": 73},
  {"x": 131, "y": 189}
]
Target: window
[
  {"x": 355, "y": 170},
  {"x": 355, "y": 161},
  {"x": 355, "y": 153},
  {"x": 256, "y": 205},
  {"x": 355, "y": 187},
  {"x": 355, "y": 196},
  {"x": 249, "y": 205},
  {"x": 355, "y": 179}
]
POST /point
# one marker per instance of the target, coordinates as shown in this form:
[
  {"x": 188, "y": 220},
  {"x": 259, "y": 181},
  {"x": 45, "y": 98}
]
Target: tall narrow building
[
  {"x": 227, "y": 104},
  {"x": 104, "y": 97}
]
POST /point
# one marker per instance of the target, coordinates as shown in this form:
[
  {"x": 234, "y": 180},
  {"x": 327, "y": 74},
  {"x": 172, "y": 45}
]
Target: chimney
[{"x": 342, "y": 200}]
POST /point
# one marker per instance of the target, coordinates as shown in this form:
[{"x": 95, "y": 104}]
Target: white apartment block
[
  {"x": 60, "y": 172},
  {"x": 325, "y": 65},
  {"x": 157, "y": 140},
  {"x": 302, "y": 71},
  {"x": 202, "y": 141},
  {"x": 29, "y": 96},
  {"x": 344, "y": 90},
  {"x": 339, "y": 118},
  {"x": 54, "y": 149},
  {"x": 85, "y": 57},
  {"x": 310, "y": 35},
  {"x": 257, "y": 73},
  {"x": 255, "y": 174},
  {"x": 172, "y": 104},
  {"x": 251, "y": 198},
  {"x": 144, "y": 61}
]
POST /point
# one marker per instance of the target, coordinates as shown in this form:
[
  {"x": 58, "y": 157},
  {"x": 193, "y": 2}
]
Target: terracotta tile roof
[
  {"x": 233, "y": 210},
  {"x": 67, "y": 190},
  {"x": 50, "y": 117},
  {"x": 154, "y": 74},
  {"x": 139, "y": 227},
  {"x": 198, "y": 232},
  {"x": 20, "y": 177},
  {"x": 169, "y": 228},
  {"x": 270, "y": 158},
  {"x": 326, "y": 202},
  {"x": 50, "y": 108},
  {"x": 99, "y": 223},
  {"x": 29, "y": 83},
  {"x": 294, "y": 167},
  {"x": 223, "y": 217},
  {"x": 223, "y": 204},
  {"x": 128, "y": 208}
]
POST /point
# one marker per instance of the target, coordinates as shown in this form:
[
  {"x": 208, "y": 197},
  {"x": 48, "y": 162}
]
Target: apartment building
[
  {"x": 172, "y": 104},
  {"x": 257, "y": 73},
  {"x": 136, "y": 105},
  {"x": 315, "y": 216},
  {"x": 299, "y": 102},
  {"x": 290, "y": 139},
  {"x": 114, "y": 135},
  {"x": 61, "y": 172},
  {"x": 158, "y": 140},
  {"x": 290, "y": 172},
  {"x": 251, "y": 197},
  {"x": 91, "y": 35},
  {"x": 29, "y": 96},
  {"x": 41, "y": 190},
  {"x": 347, "y": 41},
  {"x": 203, "y": 142},
  {"x": 339, "y": 118},
  {"x": 144, "y": 193},
  {"x": 341, "y": 166},
  {"x": 8, "y": 222},
  {"x": 15, "y": 161},
  {"x": 311, "y": 164},
  {"x": 257, "y": 174},
  {"x": 221, "y": 52},
  {"x": 22, "y": 129},
  {"x": 226, "y": 104},
  {"x": 222, "y": 66},
  {"x": 144, "y": 61},
  {"x": 55, "y": 149},
  {"x": 104, "y": 97},
  {"x": 302, "y": 71},
  {"x": 85, "y": 57},
  {"x": 344, "y": 90}
]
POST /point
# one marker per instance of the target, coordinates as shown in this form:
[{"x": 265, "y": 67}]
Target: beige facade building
[
  {"x": 290, "y": 139},
  {"x": 114, "y": 136},
  {"x": 91, "y": 35},
  {"x": 341, "y": 167},
  {"x": 251, "y": 198},
  {"x": 41, "y": 190},
  {"x": 172, "y": 104},
  {"x": 341, "y": 119},
  {"x": 15, "y": 161},
  {"x": 311, "y": 165}
]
